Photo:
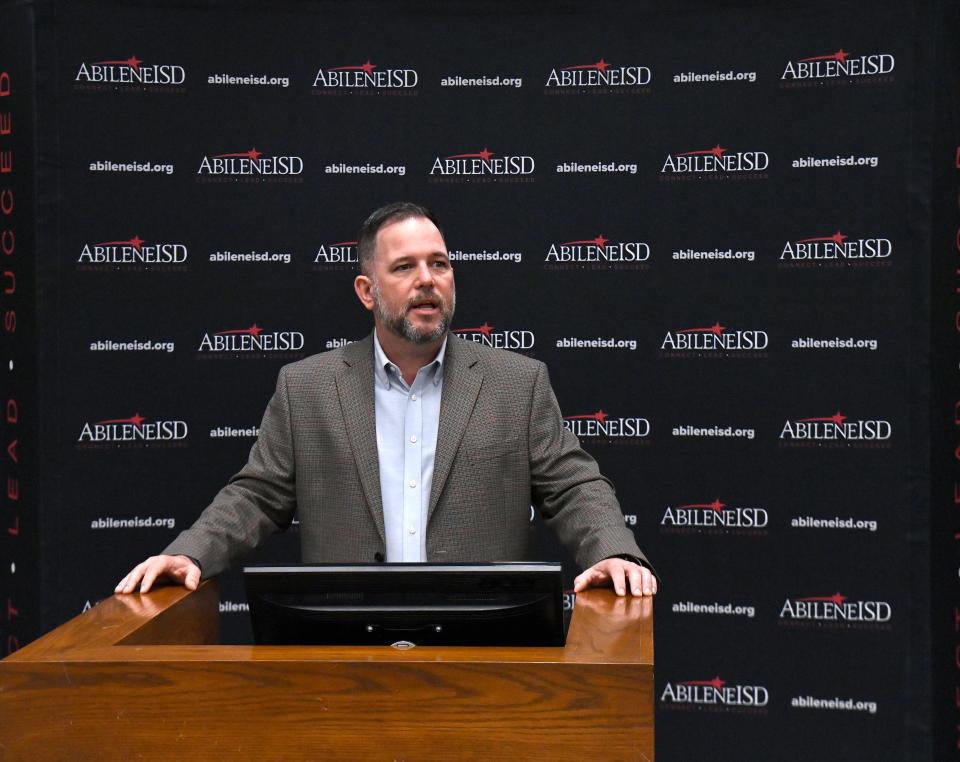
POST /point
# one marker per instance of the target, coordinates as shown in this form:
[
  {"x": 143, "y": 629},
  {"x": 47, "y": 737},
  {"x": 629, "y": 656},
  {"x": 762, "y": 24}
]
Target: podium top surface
[{"x": 174, "y": 624}]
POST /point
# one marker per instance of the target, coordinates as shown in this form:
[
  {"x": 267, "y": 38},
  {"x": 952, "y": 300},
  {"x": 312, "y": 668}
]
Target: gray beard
[{"x": 400, "y": 324}]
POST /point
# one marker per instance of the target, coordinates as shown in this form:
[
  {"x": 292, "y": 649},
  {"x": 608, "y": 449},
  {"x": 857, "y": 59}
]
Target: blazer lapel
[
  {"x": 462, "y": 379},
  {"x": 358, "y": 406}
]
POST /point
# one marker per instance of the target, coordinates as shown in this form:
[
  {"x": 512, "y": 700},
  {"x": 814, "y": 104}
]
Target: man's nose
[{"x": 424, "y": 274}]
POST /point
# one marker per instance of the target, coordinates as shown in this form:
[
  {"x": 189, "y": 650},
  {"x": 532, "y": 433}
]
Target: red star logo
[
  {"x": 840, "y": 55},
  {"x": 136, "y": 242},
  {"x": 601, "y": 65},
  {"x": 836, "y": 238},
  {"x": 485, "y": 154},
  {"x": 254, "y": 154},
  {"x": 600, "y": 240},
  {"x": 485, "y": 329},
  {"x": 718, "y": 150},
  {"x": 717, "y": 329},
  {"x": 836, "y": 598},
  {"x": 717, "y": 506},
  {"x": 598, "y": 416},
  {"x": 716, "y": 682},
  {"x": 136, "y": 419},
  {"x": 368, "y": 67},
  {"x": 838, "y": 418},
  {"x": 255, "y": 330},
  {"x": 133, "y": 62}
]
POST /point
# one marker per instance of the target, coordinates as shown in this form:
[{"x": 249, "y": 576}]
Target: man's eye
[{"x": 443, "y": 265}]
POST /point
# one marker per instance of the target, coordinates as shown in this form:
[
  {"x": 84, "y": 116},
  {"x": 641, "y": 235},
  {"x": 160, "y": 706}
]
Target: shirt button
[
  {"x": 412, "y": 484},
  {"x": 413, "y": 438},
  {"x": 413, "y": 397},
  {"x": 412, "y": 530}
]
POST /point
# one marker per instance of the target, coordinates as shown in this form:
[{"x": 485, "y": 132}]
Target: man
[{"x": 410, "y": 445}]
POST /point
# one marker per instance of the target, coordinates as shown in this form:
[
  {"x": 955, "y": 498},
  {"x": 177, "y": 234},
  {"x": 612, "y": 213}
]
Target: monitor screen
[{"x": 403, "y": 605}]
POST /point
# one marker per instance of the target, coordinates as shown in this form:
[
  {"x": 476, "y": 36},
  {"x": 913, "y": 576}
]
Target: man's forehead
[{"x": 410, "y": 235}]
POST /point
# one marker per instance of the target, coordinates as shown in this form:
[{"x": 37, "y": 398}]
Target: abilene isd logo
[
  {"x": 836, "y": 428},
  {"x": 716, "y": 160},
  {"x": 483, "y": 164},
  {"x": 130, "y": 71},
  {"x": 717, "y": 693},
  {"x": 365, "y": 76},
  {"x": 133, "y": 430},
  {"x": 133, "y": 251},
  {"x": 838, "y": 64},
  {"x": 503, "y": 339},
  {"x": 600, "y": 251},
  {"x": 836, "y": 248},
  {"x": 334, "y": 256},
  {"x": 836, "y": 610},
  {"x": 250, "y": 163},
  {"x": 599, "y": 75},
  {"x": 694, "y": 517},
  {"x": 252, "y": 339},
  {"x": 713, "y": 339},
  {"x": 602, "y": 425}
]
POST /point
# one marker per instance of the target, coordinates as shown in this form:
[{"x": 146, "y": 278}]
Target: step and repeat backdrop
[{"x": 701, "y": 218}]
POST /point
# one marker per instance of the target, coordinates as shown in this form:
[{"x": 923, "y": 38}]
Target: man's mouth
[{"x": 425, "y": 304}]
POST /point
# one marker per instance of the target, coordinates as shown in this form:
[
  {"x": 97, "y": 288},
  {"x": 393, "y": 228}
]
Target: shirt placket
[{"x": 413, "y": 471}]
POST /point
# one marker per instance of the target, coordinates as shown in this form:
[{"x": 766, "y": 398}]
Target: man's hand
[
  {"x": 618, "y": 573},
  {"x": 180, "y": 569}
]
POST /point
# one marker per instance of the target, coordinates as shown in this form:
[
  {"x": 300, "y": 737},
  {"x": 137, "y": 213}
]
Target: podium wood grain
[{"x": 140, "y": 677}]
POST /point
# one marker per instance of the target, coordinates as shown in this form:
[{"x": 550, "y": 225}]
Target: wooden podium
[{"x": 141, "y": 677}]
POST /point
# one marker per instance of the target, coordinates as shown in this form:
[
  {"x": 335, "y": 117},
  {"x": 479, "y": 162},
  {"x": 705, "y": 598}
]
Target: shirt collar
[{"x": 387, "y": 373}]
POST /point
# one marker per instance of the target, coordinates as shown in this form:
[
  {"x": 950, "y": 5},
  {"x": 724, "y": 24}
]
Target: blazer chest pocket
[{"x": 490, "y": 449}]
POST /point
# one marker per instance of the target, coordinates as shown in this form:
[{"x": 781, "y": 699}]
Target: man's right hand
[{"x": 179, "y": 569}]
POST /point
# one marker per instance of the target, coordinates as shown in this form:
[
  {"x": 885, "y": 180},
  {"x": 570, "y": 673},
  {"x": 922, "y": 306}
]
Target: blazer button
[{"x": 378, "y": 557}]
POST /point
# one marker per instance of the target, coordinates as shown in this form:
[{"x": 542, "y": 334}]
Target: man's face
[{"x": 411, "y": 288}]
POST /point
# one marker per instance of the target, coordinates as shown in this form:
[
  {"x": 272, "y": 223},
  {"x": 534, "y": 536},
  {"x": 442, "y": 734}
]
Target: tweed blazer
[{"x": 501, "y": 446}]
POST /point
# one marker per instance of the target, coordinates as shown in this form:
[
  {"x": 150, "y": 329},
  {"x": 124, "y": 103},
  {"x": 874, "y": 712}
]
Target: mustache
[{"x": 426, "y": 296}]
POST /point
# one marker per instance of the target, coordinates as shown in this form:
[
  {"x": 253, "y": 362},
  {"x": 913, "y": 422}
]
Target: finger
[
  {"x": 582, "y": 582},
  {"x": 635, "y": 575},
  {"x": 589, "y": 578},
  {"x": 649, "y": 583},
  {"x": 653, "y": 585},
  {"x": 134, "y": 577},
  {"x": 193, "y": 577},
  {"x": 619, "y": 581},
  {"x": 150, "y": 575}
]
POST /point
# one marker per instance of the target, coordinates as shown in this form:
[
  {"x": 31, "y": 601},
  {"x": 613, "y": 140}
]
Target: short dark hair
[{"x": 395, "y": 212}]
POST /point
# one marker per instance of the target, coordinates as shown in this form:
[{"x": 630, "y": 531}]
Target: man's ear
[{"x": 363, "y": 287}]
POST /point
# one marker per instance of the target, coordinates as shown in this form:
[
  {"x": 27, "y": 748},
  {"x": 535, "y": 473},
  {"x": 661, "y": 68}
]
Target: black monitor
[{"x": 502, "y": 604}]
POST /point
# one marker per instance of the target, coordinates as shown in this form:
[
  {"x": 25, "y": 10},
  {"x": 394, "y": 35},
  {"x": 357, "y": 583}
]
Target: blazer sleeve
[
  {"x": 575, "y": 499},
  {"x": 257, "y": 502}
]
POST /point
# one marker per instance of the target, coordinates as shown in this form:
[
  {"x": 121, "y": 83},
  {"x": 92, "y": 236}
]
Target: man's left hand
[{"x": 623, "y": 575}]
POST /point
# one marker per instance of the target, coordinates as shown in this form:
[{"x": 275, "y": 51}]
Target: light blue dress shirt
[{"x": 407, "y": 421}]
